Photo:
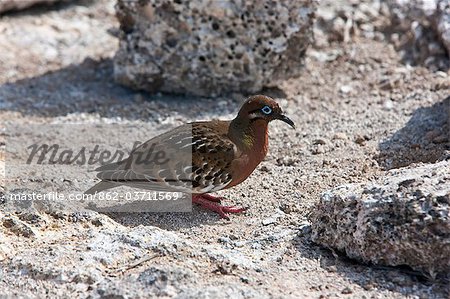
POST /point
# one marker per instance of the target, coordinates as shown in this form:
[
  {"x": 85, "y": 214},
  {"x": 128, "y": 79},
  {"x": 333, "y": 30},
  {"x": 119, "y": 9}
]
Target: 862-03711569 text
[{"x": 102, "y": 196}]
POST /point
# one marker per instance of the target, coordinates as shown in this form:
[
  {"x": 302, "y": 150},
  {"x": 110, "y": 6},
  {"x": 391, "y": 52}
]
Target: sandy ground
[{"x": 359, "y": 112}]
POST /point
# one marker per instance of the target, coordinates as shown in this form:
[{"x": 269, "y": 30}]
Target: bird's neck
[{"x": 250, "y": 136}]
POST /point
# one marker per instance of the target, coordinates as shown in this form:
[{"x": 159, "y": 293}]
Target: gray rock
[
  {"x": 401, "y": 220},
  {"x": 342, "y": 20},
  {"x": 423, "y": 26},
  {"x": 443, "y": 24},
  {"x": 420, "y": 29},
  {"x": 6, "y": 5},
  {"x": 209, "y": 47}
]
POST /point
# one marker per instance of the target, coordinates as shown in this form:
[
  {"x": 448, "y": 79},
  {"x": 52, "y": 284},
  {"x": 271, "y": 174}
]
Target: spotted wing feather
[
  {"x": 212, "y": 155},
  {"x": 193, "y": 158}
]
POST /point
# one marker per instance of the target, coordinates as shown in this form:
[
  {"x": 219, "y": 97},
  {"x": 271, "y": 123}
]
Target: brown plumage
[{"x": 199, "y": 157}]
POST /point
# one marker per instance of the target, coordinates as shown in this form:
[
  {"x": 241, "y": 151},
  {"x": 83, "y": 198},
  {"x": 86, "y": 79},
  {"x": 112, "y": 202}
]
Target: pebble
[
  {"x": 319, "y": 141},
  {"x": 286, "y": 208},
  {"x": 264, "y": 168},
  {"x": 244, "y": 279},
  {"x": 319, "y": 149},
  {"x": 269, "y": 221},
  {"x": 224, "y": 240},
  {"x": 345, "y": 89},
  {"x": 361, "y": 140},
  {"x": 347, "y": 290},
  {"x": 388, "y": 104},
  {"x": 4, "y": 252},
  {"x": 340, "y": 136},
  {"x": 305, "y": 227},
  {"x": 444, "y": 84},
  {"x": 389, "y": 83}
]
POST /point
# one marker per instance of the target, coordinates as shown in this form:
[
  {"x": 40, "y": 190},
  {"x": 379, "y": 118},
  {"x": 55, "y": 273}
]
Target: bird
[{"x": 200, "y": 157}]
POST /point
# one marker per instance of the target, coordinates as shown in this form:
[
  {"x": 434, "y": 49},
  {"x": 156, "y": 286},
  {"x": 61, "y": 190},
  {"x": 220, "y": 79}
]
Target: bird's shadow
[
  {"x": 425, "y": 138},
  {"x": 146, "y": 213},
  {"x": 171, "y": 221}
]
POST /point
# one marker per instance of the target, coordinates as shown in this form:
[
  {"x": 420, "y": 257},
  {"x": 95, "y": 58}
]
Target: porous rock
[
  {"x": 401, "y": 220},
  {"x": 344, "y": 20},
  {"x": 422, "y": 28},
  {"x": 443, "y": 24},
  {"x": 419, "y": 29},
  {"x": 209, "y": 47}
]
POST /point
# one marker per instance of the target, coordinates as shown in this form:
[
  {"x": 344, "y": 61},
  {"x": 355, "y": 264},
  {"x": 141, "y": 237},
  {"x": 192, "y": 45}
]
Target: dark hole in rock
[
  {"x": 172, "y": 42},
  {"x": 202, "y": 58},
  {"x": 231, "y": 34},
  {"x": 215, "y": 26},
  {"x": 264, "y": 52},
  {"x": 246, "y": 68}
]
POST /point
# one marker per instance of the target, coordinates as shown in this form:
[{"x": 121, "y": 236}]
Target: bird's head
[{"x": 260, "y": 107}]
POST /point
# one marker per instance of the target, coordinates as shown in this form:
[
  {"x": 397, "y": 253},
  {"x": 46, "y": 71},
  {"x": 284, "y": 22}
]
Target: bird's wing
[
  {"x": 212, "y": 155},
  {"x": 192, "y": 158}
]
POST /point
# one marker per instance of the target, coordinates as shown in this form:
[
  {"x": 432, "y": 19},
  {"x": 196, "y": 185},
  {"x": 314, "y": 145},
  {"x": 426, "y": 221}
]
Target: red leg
[
  {"x": 212, "y": 206},
  {"x": 211, "y": 197}
]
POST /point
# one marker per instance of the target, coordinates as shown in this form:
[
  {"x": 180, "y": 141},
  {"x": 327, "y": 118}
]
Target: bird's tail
[{"x": 100, "y": 187}]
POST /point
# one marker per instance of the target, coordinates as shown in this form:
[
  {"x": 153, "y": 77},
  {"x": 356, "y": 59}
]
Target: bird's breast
[{"x": 249, "y": 159}]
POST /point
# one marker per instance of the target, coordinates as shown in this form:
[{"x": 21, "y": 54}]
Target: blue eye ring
[{"x": 266, "y": 110}]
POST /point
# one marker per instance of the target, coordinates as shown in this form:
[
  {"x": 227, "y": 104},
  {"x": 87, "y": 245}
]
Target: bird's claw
[
  {"x": 222, "y": 210},
  {"x": 212, "y": 198},
  {"x": 211, "y": 203}
]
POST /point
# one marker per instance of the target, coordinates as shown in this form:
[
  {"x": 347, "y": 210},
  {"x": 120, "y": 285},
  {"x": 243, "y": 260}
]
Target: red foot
[
  {"x": 209, "y": 202},
  {"x": 211, "y": 198}
]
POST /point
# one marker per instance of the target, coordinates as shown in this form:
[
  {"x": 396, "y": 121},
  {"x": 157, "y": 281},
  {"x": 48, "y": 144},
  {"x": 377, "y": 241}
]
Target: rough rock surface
[
  {"x": 401, "y": 220},
  {"x": 6, "y": 5},
  {"x": 209, "y": 47},
  {"x": 342, "y": 21},
  {"x": 443, "y": 24},
  {"x": 416, "y": 24},
  {"x": 419, "y": 29}
]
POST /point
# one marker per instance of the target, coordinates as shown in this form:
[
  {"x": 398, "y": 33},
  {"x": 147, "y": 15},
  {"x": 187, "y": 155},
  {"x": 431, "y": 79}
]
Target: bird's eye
[{"x": 266, "y": 110}]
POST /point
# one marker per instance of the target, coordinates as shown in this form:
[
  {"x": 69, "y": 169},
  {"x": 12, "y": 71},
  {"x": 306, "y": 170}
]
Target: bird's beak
[{"x": 287, "y": 120}]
